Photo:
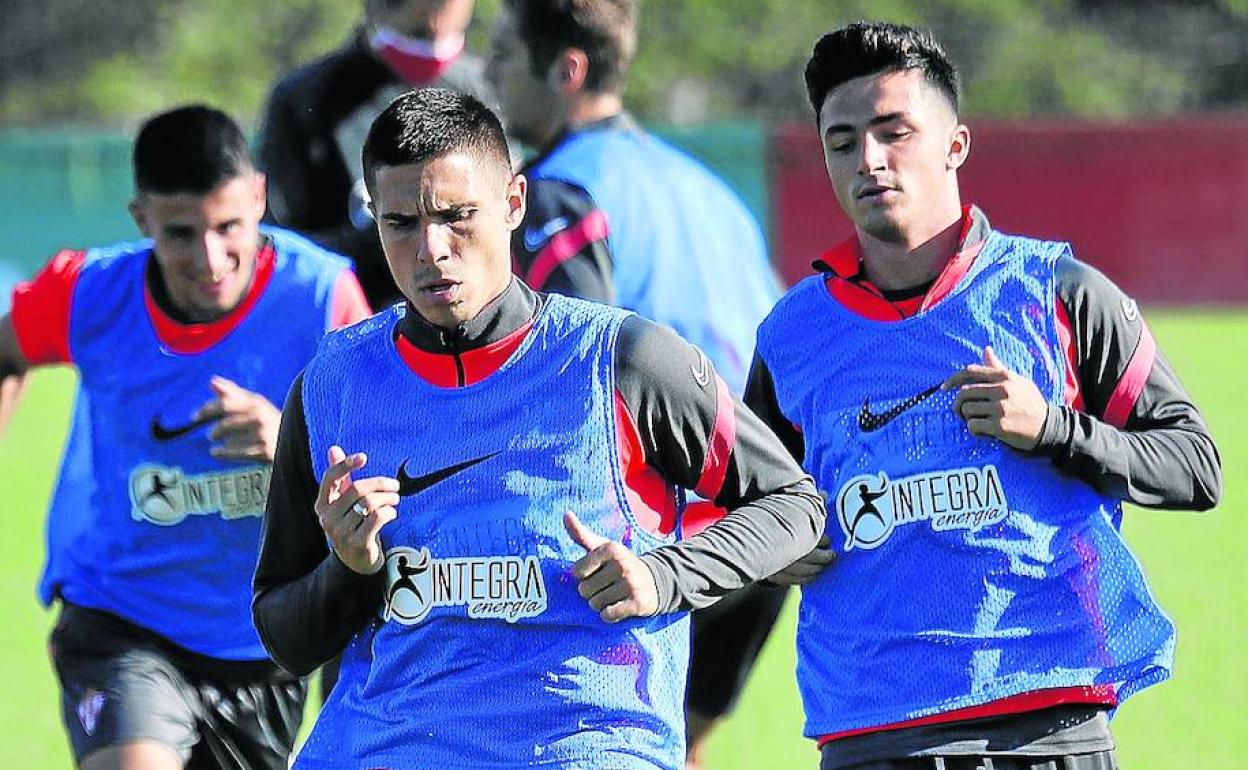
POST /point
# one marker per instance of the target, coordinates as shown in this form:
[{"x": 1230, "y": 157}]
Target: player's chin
[
  {"x": 443, "y": 314},
  {"x": 883, "y": 224}
]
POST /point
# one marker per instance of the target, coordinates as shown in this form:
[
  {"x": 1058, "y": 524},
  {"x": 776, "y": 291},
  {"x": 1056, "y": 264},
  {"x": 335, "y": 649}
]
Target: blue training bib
[
  {"x": 144, "y": 522},
  {"x": 484, "y": 655},
  {"x": 968, "y": 571}
]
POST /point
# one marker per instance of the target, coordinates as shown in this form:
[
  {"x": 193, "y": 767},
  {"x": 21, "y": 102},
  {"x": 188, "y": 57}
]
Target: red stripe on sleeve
[
  {"x": 348, "y": 303},
  {"x": 719, "y": 448},
  {"x": 650, "y": 496},
  {"x": 565, "y": 245},
  {"x": 699, "y": 515},
  {"x": 1066, "y": 338},
  {"x": 1132, "y": 382},
  {"x": 41, "y": 309}
]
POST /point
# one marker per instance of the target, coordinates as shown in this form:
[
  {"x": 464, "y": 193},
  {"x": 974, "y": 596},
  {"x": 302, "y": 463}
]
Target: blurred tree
[{"x": 114, "y": 61}]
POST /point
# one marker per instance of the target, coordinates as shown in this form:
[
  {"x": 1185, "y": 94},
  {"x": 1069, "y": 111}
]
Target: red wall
[{"x": 1162, "y": 208}]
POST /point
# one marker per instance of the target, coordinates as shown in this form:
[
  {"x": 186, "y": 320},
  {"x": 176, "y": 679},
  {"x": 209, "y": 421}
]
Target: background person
[
  {"x": 317, "y": 116},
  {"x": 617, "y": 215}
]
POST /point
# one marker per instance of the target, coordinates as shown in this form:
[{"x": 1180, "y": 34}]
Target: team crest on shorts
[
  {"x": 499, "y": 587},
  {"x": 89, "y": 708},
  {"x": 870, "y": 508}
]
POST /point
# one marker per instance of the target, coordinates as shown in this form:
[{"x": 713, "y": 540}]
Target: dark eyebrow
[{"x": 877, "y": 120}]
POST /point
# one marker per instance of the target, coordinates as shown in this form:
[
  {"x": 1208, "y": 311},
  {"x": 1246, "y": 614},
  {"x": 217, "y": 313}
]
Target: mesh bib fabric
[
  {"x": 968, "y": 571},
  {"x": 485, "y": 655}
]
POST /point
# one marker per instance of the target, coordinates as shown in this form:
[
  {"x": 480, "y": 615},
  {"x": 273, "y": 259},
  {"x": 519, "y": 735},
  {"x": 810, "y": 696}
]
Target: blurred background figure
[
  {"x": 617, "y": 215},
  {"x": 317, "y": 116}
]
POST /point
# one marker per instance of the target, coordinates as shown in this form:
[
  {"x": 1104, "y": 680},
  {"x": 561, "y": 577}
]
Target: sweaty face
[
  {"x": 892, "y": 146},
  {"x": 445, "y": 226},
  {"x": 530, "y": 104},
  {"x": 205, "y": 245}
]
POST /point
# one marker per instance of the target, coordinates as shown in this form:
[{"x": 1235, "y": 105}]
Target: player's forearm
[
  {"x": 1174, "y": 466},
  {"x": 752, "y": 541},
  {"x": 306, "y": 603},
  {"x": 1142, "y": 441},
  {"x": 305, "y": 622}
]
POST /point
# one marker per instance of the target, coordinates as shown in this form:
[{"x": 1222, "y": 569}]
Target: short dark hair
[
  {"x": 191, "y": 149},
  {"x": 423, "y": 124},
  {"x": 867, "y": 48},
  {"x": 606, "y": 30}
]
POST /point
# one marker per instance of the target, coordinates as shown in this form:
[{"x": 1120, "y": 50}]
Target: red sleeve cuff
[{"x": 41, "y": 309}]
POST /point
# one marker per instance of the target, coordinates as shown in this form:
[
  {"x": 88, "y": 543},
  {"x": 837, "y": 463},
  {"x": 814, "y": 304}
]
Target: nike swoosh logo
[
  {"x": 869, "y": 421},
  {"x": 536, "y": 237},
  {"x": 409, "y": 485},
  {"x": 161, "y": 433},
  {"x": 701, "y": 374}
]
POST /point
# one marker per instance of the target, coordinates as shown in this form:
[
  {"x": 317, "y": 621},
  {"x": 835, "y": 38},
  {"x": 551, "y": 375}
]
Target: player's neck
[
  {"x": 159, "y": 290},
  {"x": 910, "y": 262},
  {"x": 592, "y": 107}
]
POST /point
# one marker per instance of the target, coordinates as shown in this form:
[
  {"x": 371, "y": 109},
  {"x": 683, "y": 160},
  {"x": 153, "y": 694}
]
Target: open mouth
[
  {"x": 441, "y": 289},
  {"x": 874, "y": 191}
]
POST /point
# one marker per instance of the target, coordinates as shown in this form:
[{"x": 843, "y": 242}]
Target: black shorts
[
  {"x": 121, "y": 683},
  {"x": 727, "y": 637},
  {"x": 1098, "y": 760}
]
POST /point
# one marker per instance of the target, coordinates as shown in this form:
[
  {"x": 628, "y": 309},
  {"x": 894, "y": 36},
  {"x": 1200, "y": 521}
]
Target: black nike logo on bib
[
  {"x": 869, "y": 421},
  {"x": 161, "y": 433},
  {"x": 410, "y": 485}
]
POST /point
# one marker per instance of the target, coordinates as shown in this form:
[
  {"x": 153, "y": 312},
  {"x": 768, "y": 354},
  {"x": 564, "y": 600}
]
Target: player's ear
[
  {"x": 139, "y": 215},
  {"x": 569, "y": 71},
  {"x": 260, "y": 191},
  {"x": 959, "y": 147},
  {"x": 517, "y": 189}
]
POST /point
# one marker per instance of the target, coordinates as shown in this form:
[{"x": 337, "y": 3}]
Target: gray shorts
[{"x": 121, "y": 683}]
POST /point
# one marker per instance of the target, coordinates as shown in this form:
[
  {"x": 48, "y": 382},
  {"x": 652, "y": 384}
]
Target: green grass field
[{"x": 1190, "y": 559}]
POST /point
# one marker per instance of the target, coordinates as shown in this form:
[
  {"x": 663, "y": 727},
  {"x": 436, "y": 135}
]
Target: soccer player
[
  {"x": 617, "y": 215},
  {"x": 184, "y": 344},
  {"x": 491, "y": 535},
  {"x": 976, "y": 406},
  {"x": 317, "y": 116}
]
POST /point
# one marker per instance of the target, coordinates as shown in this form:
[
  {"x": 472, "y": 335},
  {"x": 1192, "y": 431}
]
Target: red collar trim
[
  {"x": 850, "y": 287},
  {"x": 190, "y": 339},
  {"x": 449, "y": 370}
]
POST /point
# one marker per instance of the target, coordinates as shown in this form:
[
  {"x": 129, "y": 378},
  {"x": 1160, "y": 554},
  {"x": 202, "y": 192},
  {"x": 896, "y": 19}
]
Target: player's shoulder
[
  {"x": 645, "y": 344},
  {"x": 107, "y": 258},
  {"x": 309, "y": 81},
  {"x": 1088, "y": 293},
  {"x": 349, "y": 340},
  {"x": 298, "y": 252}
]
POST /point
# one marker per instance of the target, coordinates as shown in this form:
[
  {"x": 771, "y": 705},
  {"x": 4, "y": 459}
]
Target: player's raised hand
[
  {"x": 807, "y": 568},
  {"x": 615, "y": 581},
  {"x": 247, "y": 422},
  {"x": 352, "y": 513},
  {"x": 999, "y": 403}
]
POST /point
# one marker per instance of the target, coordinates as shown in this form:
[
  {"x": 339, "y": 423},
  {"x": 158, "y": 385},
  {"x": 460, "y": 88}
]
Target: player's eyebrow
[{"x": 877, "y": 120}]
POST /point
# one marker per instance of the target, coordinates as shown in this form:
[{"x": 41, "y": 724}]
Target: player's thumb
[
  {"x": 583, "y": 535},
  {"x": 990, "y": 358},
  {"x": 222, "y": 386}
]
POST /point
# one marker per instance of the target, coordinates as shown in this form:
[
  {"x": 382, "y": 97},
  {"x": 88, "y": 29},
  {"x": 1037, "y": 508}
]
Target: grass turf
[{"x": 1189, "y": 559}]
